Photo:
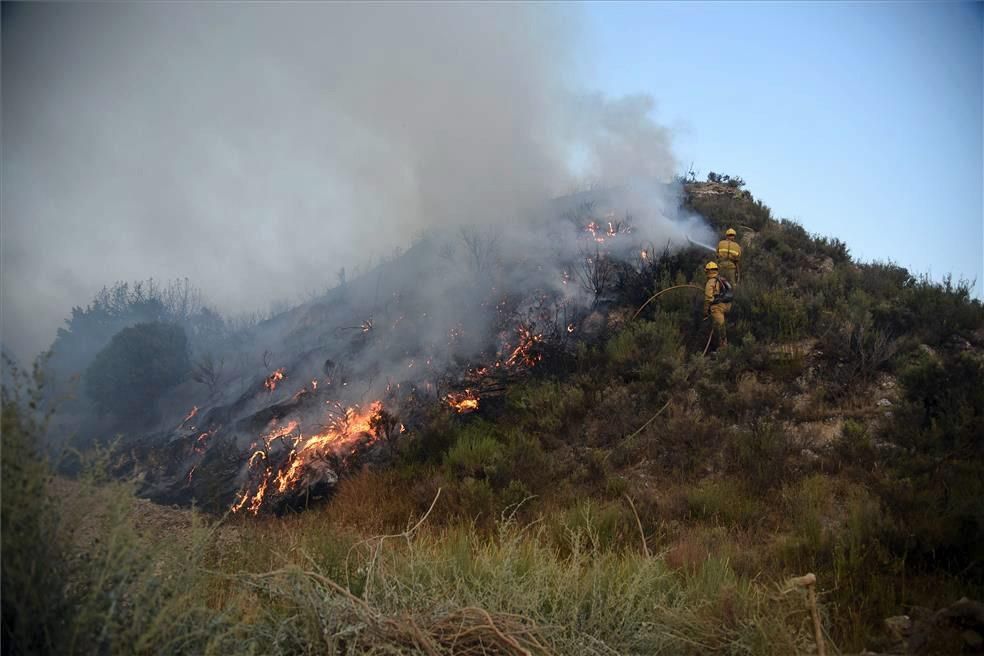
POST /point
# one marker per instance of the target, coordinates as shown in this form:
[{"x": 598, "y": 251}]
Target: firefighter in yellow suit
[
  {"x": 716, "y": 310},
  {"x": 729, "y": 257}
]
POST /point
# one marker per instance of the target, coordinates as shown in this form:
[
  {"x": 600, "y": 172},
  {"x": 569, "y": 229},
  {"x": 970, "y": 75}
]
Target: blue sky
[{"x": 860, "y": 121}]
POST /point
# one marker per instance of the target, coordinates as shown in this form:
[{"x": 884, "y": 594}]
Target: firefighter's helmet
[
  {"x": 711, "y": 266},
  {"x": 731, "y": 233}
]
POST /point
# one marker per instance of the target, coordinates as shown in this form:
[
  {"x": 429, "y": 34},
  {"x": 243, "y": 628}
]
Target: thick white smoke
[{"x": 257, "y": 148}]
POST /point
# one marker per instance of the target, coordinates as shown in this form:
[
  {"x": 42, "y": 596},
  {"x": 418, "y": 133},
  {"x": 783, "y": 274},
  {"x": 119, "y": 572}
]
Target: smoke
[{"x": 257, "y": 148}]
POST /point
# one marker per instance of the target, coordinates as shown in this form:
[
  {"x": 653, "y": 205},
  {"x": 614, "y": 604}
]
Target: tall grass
[{"x": 298, "y": 585}]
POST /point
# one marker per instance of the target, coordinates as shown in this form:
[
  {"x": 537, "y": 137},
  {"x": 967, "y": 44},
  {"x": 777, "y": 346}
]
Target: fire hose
[{"x": 660, "y": 293}]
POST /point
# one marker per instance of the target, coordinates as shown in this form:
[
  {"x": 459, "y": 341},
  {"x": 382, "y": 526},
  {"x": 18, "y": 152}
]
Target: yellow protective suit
[
  {"x": 717, "y": 311},
  {"x": 729, "y": 259}
]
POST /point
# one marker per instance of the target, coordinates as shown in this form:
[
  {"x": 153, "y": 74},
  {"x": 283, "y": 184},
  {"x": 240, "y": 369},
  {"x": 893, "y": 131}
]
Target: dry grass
[{"x": 301, "y": 585}]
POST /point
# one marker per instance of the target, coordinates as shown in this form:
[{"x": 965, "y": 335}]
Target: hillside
[{"x": 616, "y": 485}]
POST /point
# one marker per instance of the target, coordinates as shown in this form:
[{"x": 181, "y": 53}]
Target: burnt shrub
[{"x": 139, "y": 364}]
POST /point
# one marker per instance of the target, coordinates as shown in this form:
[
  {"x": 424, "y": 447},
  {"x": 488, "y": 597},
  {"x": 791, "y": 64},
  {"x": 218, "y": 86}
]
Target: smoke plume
[{"x": 257, "y": 148}]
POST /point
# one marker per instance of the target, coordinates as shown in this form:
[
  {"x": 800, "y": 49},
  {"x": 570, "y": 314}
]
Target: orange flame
[
  {"x": 341, "y": 433},
  {"x": 199, "y": 446},
  {"x": 462, "y": 402},
  {"x": 271, "y": 381},
  {"x": 194, "y": 411},
  {"x": 524, "y": 354}
]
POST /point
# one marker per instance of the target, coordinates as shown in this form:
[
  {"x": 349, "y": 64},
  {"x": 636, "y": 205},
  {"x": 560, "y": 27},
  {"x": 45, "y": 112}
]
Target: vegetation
[
  {"x": 138, "y": 365},
  {"x": 640, "y": 498}
]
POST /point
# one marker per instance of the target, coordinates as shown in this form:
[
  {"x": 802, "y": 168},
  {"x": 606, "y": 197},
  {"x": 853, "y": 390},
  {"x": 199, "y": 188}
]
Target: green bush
[
  {"x": 139, "y": 364},
  {"x": 774, "y": 314},
  {"x": 938, "y": 473},
  {"x": 33, "y": 565},
  {"x": 760, "y": 454},
  {"x": 476, "y": 453},
  {"x": 546, "y": 406},
  {"x": 725, "y": 502}
]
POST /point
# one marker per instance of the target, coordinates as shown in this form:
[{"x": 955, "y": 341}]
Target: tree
[
  {"x": 124, "y": 304},
  {"x": 139, "y": 364}
]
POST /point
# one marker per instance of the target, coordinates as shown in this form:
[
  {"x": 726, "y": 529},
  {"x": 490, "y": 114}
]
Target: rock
[
  {"x": 899, "y": 626},
  {"x": 956, "y": 629},
  {"x": 972, "y": 639},
  {"x": 958, "y": 343},
  {"x": 884, "y": 403},
  {"x": 809, "y": 455},
  {"x": 826, "y": 265}
]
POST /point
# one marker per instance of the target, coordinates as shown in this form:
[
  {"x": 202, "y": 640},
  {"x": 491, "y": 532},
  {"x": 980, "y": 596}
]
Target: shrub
[
  {"x": 725, "y": 502},
  {"x": 760, "y": 454},
  {"x": 857, "y": 349},
  {"x": 476, "y": 453},
  {"x": 33, "y": 571},
  {"x": 546, "y": 406},
  {"x": 774, "y": 313},
  {"x": 139, "y": 364}
]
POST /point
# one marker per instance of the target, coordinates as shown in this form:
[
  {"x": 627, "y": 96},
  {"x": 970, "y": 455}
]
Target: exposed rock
[
  {"x": 884, "y": 403},
  {"x": 809, "y": 455},
  {"x": 956, "y": 629},
  {"x": 958, "y": 343},
  {"x": 899, "y": 626}
]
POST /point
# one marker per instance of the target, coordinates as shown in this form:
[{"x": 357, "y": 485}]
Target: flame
[
  {"x": 593, "y": 229},
  {"x": 271, "y": 381},
  {"x": 524, "y": 354},
  {"x": 462, "y": 402},
  {"x": 199, "y": 446},
  {"x": 194, "y": 411},
  {"x": 314, "y": 384},
  {"x": 342, "y": 432}
]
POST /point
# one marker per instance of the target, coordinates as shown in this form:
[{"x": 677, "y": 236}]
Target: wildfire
[
  {"x": 271, "y": 381},
  {"x": 525, "y": 354},
  {"x": 194, "y": 411},
  {"x": 593, "y": 229},
  {"x": 200, "y": 441},
  {"x": 462, "y": 402},
  {"x": 342, "y": 431}
]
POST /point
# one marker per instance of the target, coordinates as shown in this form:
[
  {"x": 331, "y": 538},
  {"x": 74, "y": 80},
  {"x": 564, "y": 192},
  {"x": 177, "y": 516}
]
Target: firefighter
[
  {"x": 717, "y": 301},
  {"x": 729, "y": 256}
]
